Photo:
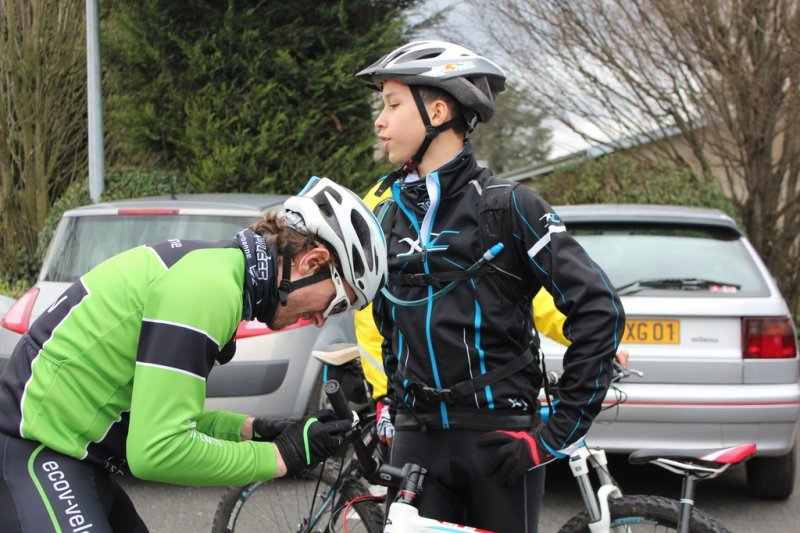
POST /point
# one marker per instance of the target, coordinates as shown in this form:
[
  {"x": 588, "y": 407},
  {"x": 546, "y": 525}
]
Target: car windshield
[
  {"x": 684, "y": 260},
  {"x": 81, "y": 243}
]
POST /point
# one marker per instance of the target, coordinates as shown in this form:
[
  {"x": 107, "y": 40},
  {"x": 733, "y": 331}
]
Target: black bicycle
[
  {"x": 344, "y": 495},
  {"x": 333, "y": 496}
]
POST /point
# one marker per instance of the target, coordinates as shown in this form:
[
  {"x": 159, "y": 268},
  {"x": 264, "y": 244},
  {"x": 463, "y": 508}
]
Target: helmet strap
[
  {"x": 287, "y": 285},
  {"x": 431, "y": 132}
]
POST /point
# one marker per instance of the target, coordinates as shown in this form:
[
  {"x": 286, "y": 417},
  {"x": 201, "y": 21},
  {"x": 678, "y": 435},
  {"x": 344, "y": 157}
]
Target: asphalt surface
[{"x": 173, "y": 509}]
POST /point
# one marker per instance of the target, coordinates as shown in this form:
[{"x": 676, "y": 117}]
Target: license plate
[{"x": 652, "y": 332}]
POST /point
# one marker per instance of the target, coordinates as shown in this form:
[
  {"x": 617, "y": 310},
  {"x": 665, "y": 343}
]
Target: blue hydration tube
[
  {"x": 544, "y": 412},
  {"x": 487, "y": 256}
]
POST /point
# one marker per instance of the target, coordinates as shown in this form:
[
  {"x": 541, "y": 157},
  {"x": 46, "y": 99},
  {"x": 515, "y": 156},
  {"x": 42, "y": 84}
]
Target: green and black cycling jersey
[
  {"x": 433, "y": 346},
  {"x": 114, "y": 371}
]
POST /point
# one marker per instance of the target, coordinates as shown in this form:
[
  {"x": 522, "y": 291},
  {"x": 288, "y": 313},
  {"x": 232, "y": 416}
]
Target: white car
[
  {"x": 709, "y": 329},
  {"x": 272, "y": 373}
]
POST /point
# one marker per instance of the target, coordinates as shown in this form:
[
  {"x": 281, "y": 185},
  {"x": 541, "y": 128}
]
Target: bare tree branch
[
  {"x": 712, "y": 84},
  {"x": 42, "y": 120}
]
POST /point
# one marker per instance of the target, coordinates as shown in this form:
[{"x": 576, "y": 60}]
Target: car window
[
  {"x": 629, "y": 253},
  {"x": 81, "y": 243}
]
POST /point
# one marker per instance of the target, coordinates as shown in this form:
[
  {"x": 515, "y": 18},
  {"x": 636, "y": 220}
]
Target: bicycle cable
[
  {"x": 357, "y": 499},
  {"x": 309, "y": 518},
  {"x": 620, "y": 397}
]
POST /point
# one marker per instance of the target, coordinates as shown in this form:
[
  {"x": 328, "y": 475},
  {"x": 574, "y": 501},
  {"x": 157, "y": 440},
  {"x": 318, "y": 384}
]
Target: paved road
[{"x": 170, "y": 509}]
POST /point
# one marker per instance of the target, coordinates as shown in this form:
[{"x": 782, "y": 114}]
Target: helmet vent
[
  {"x": 323, "y": 201},
  {"x": 357, "y": 263},
  {"x": 363, "y": 234}
]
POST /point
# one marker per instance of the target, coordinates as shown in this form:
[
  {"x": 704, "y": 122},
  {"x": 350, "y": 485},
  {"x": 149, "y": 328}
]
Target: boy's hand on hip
[{"x": 517, "y": 453}]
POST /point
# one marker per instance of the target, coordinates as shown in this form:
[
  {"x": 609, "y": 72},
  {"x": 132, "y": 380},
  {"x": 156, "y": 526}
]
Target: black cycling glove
[
  {"x": 518, "y": 453},
  {"x": 308, "y": 442},
  {"x": 266, "y": 429}
]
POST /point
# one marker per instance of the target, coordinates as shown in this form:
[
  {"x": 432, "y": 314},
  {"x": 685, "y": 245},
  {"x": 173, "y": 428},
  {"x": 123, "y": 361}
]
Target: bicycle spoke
[{"x": 304, "y": 504}]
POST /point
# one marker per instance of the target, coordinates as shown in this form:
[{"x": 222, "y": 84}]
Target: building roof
[{"x": 594, "y": 152}]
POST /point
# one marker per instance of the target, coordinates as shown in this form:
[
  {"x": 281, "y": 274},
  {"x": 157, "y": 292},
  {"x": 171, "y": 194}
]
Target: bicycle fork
[{"x": 596, "y": 504}]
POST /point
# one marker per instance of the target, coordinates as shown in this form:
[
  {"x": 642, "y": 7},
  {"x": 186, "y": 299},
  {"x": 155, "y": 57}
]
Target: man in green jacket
[{"x": 112, "y": 377}]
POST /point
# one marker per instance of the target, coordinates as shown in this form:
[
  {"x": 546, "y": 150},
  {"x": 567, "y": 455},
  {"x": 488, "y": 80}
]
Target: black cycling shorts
[
  {"x": 42, "y": 490},
  {"x": 457, "y": 488}
]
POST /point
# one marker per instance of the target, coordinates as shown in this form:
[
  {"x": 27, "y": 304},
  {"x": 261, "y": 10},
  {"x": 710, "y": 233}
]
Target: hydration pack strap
[
  {"x": 439, "y": 279},
  {"x": 470, "y": 386},
  {"x": 389, "y": 180},
  {"x": 481, "y": 263}
]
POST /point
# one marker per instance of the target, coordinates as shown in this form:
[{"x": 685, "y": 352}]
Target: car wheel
[{"x": 772, "y": 477}]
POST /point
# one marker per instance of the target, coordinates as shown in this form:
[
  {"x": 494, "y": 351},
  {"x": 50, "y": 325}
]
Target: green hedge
[
  {"x": 13, "y": 289},
  {"x": 624, "y": 179},
  {"x": 247, "y": 96}
]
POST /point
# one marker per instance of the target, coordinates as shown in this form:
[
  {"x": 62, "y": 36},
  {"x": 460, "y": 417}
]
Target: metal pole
[{"x": 95, "y": 98}]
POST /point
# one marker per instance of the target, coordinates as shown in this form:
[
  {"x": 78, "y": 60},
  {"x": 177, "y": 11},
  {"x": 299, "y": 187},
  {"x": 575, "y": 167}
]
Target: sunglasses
[{"x": 340, "y": 302}]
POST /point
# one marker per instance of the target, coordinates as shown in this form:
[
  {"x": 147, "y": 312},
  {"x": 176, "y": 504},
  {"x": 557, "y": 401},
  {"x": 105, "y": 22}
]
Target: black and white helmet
[
  {"x": 473, "y": 80},
  {"x": 341, "y": 219}
]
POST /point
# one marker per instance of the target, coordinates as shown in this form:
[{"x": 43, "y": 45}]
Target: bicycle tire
[
  {"x": 645, "y": 513},
  {"x": 284, "y": 505}
]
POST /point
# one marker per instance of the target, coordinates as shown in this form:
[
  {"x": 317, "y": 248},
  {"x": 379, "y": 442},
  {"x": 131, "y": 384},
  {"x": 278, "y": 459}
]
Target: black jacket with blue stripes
[{"x": 484, "y": 322}]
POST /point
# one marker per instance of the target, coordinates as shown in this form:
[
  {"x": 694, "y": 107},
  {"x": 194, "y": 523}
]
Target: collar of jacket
[{"x": 459, "y": 171}]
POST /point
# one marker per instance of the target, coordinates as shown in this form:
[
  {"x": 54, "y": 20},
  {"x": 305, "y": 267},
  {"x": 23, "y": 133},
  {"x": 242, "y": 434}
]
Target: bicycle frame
[{"x": 405, "y": 518}]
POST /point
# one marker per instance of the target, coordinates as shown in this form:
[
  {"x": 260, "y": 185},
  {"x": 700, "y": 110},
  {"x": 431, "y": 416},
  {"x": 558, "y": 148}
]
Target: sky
[{"x": 563, "y": 141}]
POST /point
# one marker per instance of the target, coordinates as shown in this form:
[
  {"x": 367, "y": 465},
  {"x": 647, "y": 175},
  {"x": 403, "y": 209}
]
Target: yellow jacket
[{"x": 549, "y": 321}]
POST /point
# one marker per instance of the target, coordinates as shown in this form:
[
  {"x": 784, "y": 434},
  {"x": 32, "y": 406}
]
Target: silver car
[
  {"x": 272, "y": 373},
  {"x": 5, "y": 304},
  {"x": 709, "y": 329}
]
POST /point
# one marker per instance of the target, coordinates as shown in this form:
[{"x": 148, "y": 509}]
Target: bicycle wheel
[
  {"x": 285, "y": 505},
  {"x": 645, "y": 513}
]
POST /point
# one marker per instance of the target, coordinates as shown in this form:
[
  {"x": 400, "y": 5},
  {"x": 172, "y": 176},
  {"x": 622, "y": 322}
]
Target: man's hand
[
  {"x": 265, "y": 429},
  {"x": 518, "y": 453},
  {"x": 384, "y": 423},
  {"x": 308, "y": 442}
]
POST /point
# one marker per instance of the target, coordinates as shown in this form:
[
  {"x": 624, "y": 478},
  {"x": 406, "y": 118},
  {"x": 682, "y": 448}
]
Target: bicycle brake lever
[{"x": 627, "y": 372}]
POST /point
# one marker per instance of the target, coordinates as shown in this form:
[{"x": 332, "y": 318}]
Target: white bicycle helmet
[
  {"x": 341, "y": 219},
  {"x": 472, "y": 79}
]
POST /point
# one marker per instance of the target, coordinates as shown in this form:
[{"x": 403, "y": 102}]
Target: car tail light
[
  {"x": 18, "y": 317},
  {"x": 255, "y": 328},
  {"x": 768, "y": 338}
]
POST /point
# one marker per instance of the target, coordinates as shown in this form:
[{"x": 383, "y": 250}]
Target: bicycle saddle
[{"x": 729, "y": 455}]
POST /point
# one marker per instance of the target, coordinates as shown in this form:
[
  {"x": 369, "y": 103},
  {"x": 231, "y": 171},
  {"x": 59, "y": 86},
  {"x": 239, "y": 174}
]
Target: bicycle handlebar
[
  {"x": 375, "y": 471},
  {"x": 338, "y": 401},
  {"x": 619, "y": 373},
  {"x": 553, "y": 380}
]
